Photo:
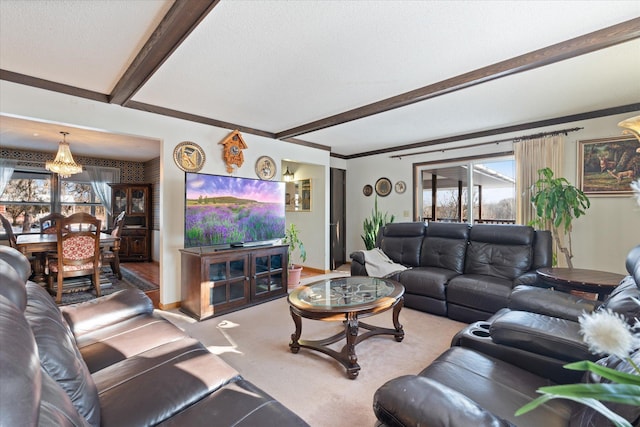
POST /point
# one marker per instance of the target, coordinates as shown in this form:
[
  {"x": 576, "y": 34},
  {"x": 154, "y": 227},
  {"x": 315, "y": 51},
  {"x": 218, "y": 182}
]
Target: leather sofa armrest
[
  {"x": 528, "y": 278},
  {"x": 108, "y": 310},
  {"x": 357, "y": 264},
  {"x": 540, "y": 334},
  {"x": 413, "y": 400},
  {"x": 550, "y": 302},
  {"x": 357, "y": 256}
]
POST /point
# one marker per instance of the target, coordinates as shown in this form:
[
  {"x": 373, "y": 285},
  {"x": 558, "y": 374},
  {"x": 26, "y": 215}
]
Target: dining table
[{"x": 41, "y": 243}]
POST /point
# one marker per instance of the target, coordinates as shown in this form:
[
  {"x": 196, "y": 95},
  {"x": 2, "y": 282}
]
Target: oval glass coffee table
[{"x": 346, "y": 299}]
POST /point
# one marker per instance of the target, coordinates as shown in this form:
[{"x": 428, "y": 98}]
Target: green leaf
[{"x": 604, "y": 372}]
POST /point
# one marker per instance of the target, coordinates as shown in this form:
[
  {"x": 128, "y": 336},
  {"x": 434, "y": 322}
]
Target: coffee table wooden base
[{"x": 347, "y": 355}]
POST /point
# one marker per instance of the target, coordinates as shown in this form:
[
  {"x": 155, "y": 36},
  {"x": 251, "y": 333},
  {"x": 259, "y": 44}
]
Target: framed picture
[
  {"x": 607, "y": 166},
  {"x": 383, "y": 187}
]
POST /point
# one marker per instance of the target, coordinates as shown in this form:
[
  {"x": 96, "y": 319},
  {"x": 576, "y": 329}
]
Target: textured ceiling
[{"x": 271, "y": 66}]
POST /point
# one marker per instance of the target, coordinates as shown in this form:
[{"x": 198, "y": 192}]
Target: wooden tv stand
[{"x": 214, "y": 282}]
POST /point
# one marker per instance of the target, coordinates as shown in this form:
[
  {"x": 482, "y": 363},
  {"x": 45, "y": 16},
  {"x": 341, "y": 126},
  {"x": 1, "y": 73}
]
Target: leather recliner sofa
[
  {"x": 112, "y": 361},
  {"x": 464, "y": 272},
  {"x": 539, "y": 331},
  {"x": 484, "y": 386}
]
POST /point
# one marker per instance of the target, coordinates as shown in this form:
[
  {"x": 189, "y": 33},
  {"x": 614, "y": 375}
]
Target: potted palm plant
[
  {"x": 372, "y": 225},
  {"x": 557, "y": 203},
  {"x": 292, "y": 239}
]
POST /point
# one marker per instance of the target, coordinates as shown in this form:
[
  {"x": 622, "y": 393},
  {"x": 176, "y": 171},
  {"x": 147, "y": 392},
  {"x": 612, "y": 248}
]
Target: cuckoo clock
[{"x": 233, "y": 145}]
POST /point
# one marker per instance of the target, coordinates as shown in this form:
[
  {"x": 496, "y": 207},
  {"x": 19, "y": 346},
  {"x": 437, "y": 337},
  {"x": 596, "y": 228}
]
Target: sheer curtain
[
  {"x": 7, "y": 166},
  {"x": 531, "y": 155},
  {"x": 100, "y": 179}
]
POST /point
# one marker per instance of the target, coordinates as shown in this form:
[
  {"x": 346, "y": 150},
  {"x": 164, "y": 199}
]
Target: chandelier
[
  {"x": 63, "y": 164},
  {"x": 631, "y": 126}
]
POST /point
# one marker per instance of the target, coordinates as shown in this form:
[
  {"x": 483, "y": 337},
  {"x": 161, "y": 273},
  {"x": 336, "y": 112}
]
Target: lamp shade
[
  {"x": 632, "y": 126},
  {"x": 63, "y": 164},
  {"x": 288, "y": 176}
]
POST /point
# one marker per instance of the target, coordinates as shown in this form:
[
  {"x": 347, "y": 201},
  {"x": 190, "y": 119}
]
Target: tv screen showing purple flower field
[{"x": 224, "y": 210}]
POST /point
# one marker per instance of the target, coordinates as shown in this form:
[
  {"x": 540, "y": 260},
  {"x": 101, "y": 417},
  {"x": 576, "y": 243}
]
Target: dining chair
[
  {"x": 78, "y": 251},
  {"x": 8, "y": 230},
  {"x": 48, "y": 223},
  {"x": 111, "y": 255}
]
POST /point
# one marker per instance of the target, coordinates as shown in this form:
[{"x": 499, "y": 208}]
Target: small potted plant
[{"x": 292, "y": 239}]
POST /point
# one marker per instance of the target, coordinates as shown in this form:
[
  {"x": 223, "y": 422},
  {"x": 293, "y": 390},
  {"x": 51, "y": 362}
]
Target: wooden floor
[{"x": 149, "y": 271}]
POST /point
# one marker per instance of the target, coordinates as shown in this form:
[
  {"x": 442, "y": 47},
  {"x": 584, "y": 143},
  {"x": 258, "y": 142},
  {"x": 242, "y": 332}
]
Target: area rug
[
  {"x": 109, "y": 284},
  {"x": 255, "y": 341}
]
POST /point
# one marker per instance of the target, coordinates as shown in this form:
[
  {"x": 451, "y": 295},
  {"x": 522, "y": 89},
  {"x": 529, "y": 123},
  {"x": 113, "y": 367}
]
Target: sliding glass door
[{"x": 445, "y": 191}]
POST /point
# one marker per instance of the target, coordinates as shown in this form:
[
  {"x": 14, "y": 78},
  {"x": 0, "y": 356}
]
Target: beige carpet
[{"x": 255, "y": 341}]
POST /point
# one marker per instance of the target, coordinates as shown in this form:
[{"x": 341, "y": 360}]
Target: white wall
[
  {"x": 33, "y": 103},
  {"x": 601, "y": 238}
]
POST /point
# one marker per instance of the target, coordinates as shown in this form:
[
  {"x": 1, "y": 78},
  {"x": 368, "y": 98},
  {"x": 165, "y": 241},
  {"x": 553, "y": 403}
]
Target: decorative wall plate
[
  {"x": 400, "y": 187},
  {"x": 189, "y": 156},
  {"x": 265, "y": 168},
  {"x": 383, "y": 187},
  {"x": 367, "y": 190}
]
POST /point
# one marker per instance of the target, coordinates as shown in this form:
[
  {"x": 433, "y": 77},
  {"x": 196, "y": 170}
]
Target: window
[
  {"x": 32, "y": 194},
  {"x": 445, "y": 196},
  {"x": 27, "y": 196}
]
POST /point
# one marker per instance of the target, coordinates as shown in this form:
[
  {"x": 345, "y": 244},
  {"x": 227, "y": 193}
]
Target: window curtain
[
  {"x": 7, "y": 166},
  {"x": 100, "y": 179},
  {"x": 531, "y": 155}
]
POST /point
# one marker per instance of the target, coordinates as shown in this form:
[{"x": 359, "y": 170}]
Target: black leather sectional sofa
[
  {"x": 112, "y": 362},
  {"x": 494, "y": 367},
  {"x": 464, "y": 272}
]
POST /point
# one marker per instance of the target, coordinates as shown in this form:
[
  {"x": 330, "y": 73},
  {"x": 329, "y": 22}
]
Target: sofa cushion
[
  {"x": 540, "y": 334},
  {"x": 499, "y": 250},
  {"x": 20, "y": 375},
  {"x": 486, "y": 293},
  {"x": 428, "y": 281},
  {"x": 497, "y": 386},
  {"x": 99, "y": 313},
  {"x": 624, "y": 299},
  {"x": 12, "y": 286},
  {"x": 239, "y": 404},
  {"x": 56, "y": 409},
  {"x": 176, "y": 375},
  {"x": 445, "y": 246},
  {"x": 59, "y": 355},
  {"x": 17, "y": 260},
  {"x": 114, "y": 343},
  {"x": 402, "y": 241}
]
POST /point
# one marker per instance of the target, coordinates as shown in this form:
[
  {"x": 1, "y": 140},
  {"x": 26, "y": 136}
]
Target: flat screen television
[{"x": 232, "y": 211}]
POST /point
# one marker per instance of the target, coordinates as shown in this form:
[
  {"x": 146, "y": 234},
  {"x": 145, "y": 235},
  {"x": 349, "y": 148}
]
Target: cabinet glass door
[
  {"x": 120, "y": 201},
  {"x": 137, "y": 201}
]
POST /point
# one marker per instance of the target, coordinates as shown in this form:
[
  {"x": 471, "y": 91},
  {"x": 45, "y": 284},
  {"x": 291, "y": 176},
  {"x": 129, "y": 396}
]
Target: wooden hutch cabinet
[
  {"x": 214, "y": 282},
  {"x": 135, "y": 200}
]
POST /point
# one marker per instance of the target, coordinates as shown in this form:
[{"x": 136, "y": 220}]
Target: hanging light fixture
[
  {"x": 63, "y": 164},
  {"x": 631, "y": 126},
  {"x": 288, "y": 176}
]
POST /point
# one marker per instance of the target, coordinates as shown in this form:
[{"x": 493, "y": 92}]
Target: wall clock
[
  {"x": 189, "y": 156},
  {"x": 265, "y": 168},
  {"x": 383, "y": 187},
  {"x": 232, "y": 152}
]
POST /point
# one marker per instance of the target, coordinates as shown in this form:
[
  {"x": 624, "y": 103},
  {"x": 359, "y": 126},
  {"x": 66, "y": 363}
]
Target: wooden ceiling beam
[
  {"x": 581, "y": 45},
  {"x": 174, "y": 28}
]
